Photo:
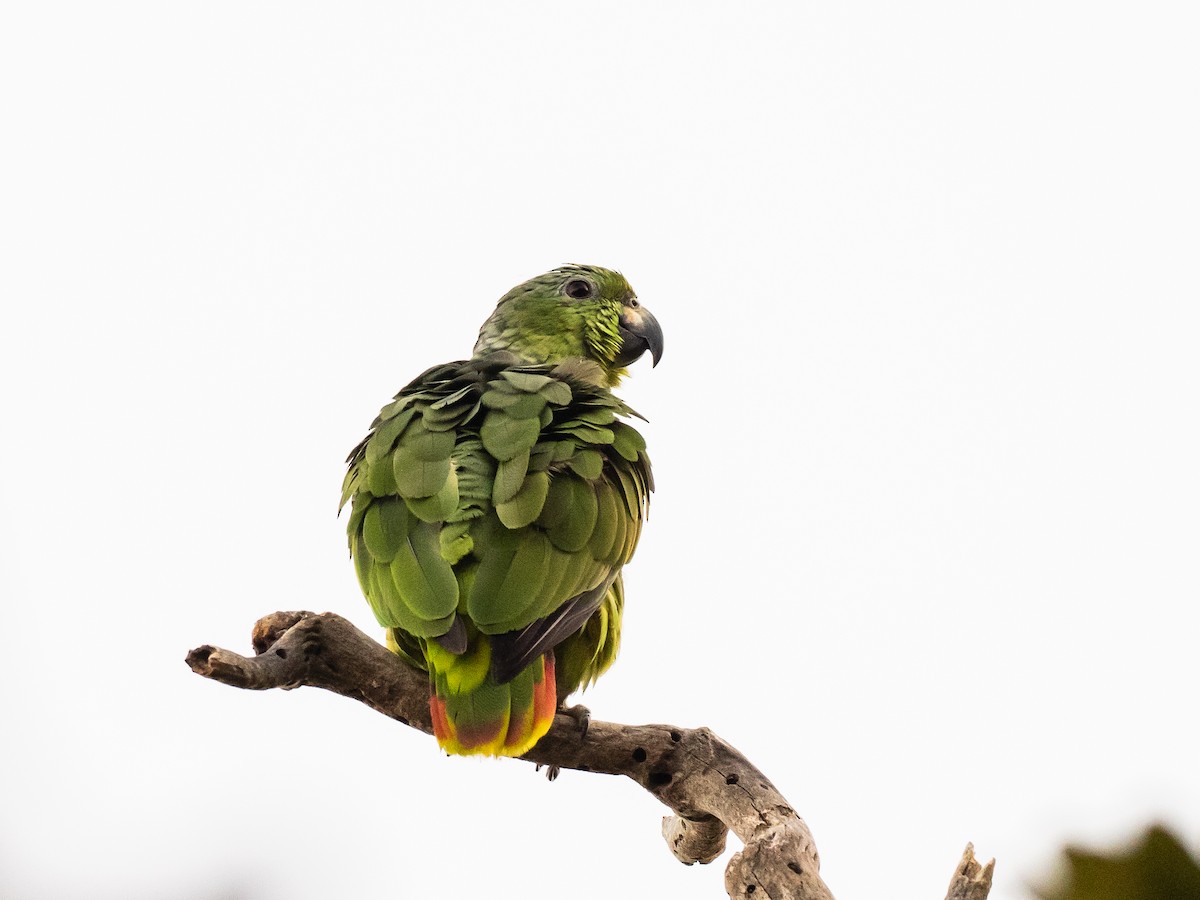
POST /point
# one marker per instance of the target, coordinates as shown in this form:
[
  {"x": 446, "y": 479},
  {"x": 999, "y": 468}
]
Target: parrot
[{"x": 495, "y": 501}]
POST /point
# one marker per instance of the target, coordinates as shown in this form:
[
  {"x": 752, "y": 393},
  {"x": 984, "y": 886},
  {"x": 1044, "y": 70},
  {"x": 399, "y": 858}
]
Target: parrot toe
[{"x": 582, "y": 716}]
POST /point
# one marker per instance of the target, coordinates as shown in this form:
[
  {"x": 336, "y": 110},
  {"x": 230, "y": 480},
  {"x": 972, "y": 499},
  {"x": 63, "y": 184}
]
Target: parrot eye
[{"x": 577, "y": 289}]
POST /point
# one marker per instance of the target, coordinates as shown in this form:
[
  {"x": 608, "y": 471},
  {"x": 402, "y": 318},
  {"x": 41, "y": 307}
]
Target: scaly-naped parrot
[{"x": 495, "y": 501}]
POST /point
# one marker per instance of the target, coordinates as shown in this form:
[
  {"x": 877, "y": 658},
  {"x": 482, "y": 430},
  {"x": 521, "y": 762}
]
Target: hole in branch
[
  {"x": 676, "y": 737},
  {"x": 639, "y": 755},
  {"x": 795, "y": 867},
  {"x": 731, "y": 779},
  {"x": 281, "y": 653}
]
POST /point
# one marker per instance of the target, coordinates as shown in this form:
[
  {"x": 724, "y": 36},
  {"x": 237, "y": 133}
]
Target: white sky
[{"x": 926, "y": 437}]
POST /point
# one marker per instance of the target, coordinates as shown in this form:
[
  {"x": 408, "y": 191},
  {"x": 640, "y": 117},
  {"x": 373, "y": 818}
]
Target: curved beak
[{"x": 640, "y": 332}]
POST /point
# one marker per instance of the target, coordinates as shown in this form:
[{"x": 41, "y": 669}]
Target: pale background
[{"x": 925, "y": 434}]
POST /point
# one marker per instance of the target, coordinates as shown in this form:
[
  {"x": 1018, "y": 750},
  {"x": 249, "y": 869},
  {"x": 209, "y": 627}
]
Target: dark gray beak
[{"x": 640, "y": 332}]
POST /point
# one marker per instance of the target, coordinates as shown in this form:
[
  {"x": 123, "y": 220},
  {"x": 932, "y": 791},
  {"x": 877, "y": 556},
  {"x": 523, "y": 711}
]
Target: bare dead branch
[
  {"x": 710, "y": 786},
  {"x": 971, "y": 881}
]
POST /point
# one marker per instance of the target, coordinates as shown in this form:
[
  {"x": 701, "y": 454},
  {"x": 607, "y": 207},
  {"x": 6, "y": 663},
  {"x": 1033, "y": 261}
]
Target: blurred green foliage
[{"x": 1157, "y": 867}]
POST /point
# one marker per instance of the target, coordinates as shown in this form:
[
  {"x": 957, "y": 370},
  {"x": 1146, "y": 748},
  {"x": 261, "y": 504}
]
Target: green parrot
[{"x": 495, "y": 501}]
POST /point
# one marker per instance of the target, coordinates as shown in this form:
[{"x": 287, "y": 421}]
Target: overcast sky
[{"x": 925, "y": 541}]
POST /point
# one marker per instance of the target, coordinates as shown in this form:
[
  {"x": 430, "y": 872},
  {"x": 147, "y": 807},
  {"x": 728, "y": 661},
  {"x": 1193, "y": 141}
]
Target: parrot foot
[{"x": 582, "y": 716}]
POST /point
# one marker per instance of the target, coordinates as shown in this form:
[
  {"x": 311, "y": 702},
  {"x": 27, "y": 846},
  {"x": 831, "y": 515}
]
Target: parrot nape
[{"x": 496, "y": 499}]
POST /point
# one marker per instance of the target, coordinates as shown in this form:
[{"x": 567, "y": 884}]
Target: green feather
[
  {"x": 601, "y": 416},
  {"x": 362, "y": 500},
  {"x": 510, "y": 475},
  {"x": 449, "y": 418},
  {"x": 504, "y": 437},
  {"x": 476, "y": 472},
  {"x": 501, "y": 603},
  {"x": 381, "y": 476},
  {"x": 526, "y": 504},
  {"x": 574, "y": 530},
  {"x": 557, "y": 506},
  {"x": 587, "y": 464},
  {"x": 389, "y": 608},
  {"x": 362, "y": 564},
  {"x": 350, "y": 484},
  {"x": 627, "y": 441},
  {"x": 589, "y": 434},
  {"x": 501, "y": 397},
  {"x": 495, "y": 546},
  {"x": 588, "y": 575},
  {"x": 526, "y": 381},
  {"x": 385, "y": 528},
  {"x": 521, "y": 690},
  {"x": 427, "y": 445},
  {"x": 553, "y": 592},
  {"x": 400, "y": 402},
  {"x": 416, "y": 477},
  {"x": 633, "y": 532},
  {"x": 423, "y": 578},
  {"x": 440, "y": 506},
  {"x": 451, "y": 399},
  {"x": 615, "y": 553},
  {"x": 608, "y": 511},
  {"x": 541, "y": 457},
  {"x": 384, "y": 438},
  {"x": 527, "y": 406},
  {"x": 630, "y": 493},
  {"x": 455, "y": 542},
  {"x": 556, "y": 392}
]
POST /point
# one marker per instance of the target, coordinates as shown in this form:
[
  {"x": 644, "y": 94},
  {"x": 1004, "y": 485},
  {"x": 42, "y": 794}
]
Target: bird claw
[{"x": 582, "y": 716}]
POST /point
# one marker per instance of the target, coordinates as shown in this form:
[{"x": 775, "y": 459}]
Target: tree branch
[
  {"x": 709, "y": 786},
  {"x": 971, "y": 881}
]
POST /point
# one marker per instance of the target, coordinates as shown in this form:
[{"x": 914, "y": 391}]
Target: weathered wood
[
  {"x": 971, "y": 881},
  {"x": 710, "y": 786}
]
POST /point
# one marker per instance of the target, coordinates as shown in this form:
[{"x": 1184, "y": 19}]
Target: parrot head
[{"x": 574, "y": 311}]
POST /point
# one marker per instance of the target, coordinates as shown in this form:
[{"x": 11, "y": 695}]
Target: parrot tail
[{"x": 474, "y": 715}]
